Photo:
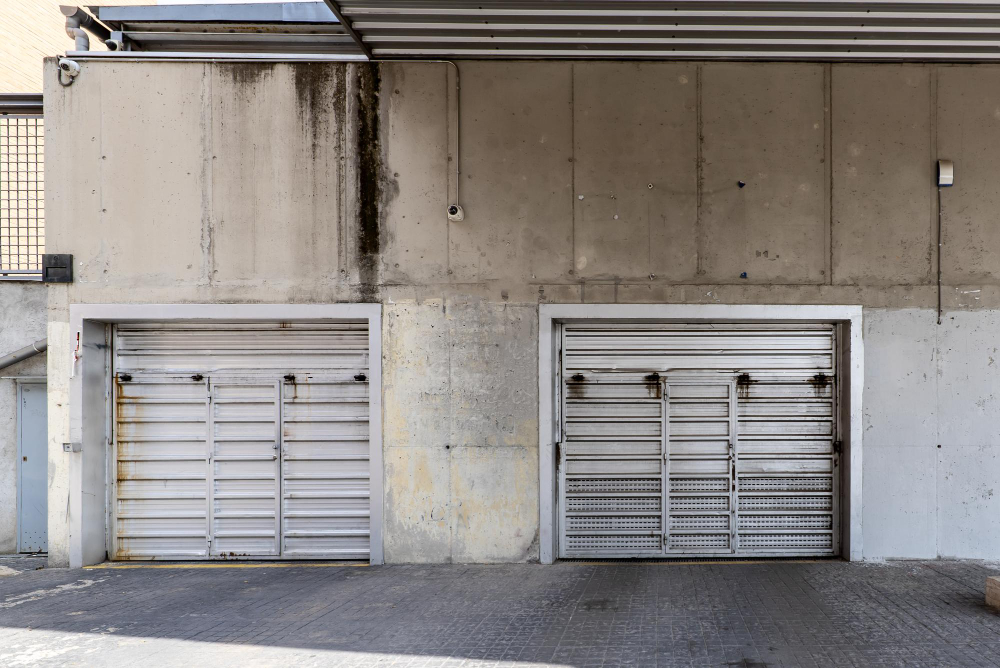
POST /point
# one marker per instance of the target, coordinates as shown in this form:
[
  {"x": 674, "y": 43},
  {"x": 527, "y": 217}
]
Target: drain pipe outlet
[{"x": 78, "y": 23}]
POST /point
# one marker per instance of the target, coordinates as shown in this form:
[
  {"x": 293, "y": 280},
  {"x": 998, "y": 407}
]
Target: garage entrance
[
  {"x": 704, "y": 439},
  {"x": 241, "y": 441}
]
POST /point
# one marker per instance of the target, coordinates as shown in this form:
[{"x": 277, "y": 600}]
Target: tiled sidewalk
[{"x": 570, "y": 614}]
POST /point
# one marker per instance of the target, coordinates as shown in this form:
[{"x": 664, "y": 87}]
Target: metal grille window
[{"x": 22, "y": 200}]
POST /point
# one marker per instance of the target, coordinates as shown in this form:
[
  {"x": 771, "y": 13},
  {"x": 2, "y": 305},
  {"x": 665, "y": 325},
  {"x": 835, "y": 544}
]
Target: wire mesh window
[{"x": 22, "y": 197}]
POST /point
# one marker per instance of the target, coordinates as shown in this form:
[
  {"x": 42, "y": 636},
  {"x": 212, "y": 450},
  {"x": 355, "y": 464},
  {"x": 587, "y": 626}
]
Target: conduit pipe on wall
[
  {"x": 24, "y": 353},
  {"x": 945, "y": 179},
  {"x": 458, "y": 113}
]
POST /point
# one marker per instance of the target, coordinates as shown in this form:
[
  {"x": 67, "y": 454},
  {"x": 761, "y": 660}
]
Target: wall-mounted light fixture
[{"x": 945, "y": 174}]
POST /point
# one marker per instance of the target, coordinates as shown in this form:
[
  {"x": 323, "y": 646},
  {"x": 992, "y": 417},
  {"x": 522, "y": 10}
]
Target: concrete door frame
[
  {"x": 89, "y": 389},
  {"x": 851, "y": 366}
]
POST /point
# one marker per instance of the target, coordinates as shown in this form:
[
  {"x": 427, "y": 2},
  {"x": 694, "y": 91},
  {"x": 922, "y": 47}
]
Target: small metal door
[
  {"x": 701, "y": 465},
  {"x": 32, "y": 449}
]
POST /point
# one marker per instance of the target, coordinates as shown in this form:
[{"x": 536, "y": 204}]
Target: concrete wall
[
  {"x": 22, "y": 306},
  {"x": 581, "y": 182}
]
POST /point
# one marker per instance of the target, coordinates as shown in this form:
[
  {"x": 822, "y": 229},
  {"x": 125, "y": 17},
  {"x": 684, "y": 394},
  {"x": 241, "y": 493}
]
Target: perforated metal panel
[
  {"x": 259, "y": 449},
  {"x": 699, "y": 464},
  {"x": 739, "y": 420}
]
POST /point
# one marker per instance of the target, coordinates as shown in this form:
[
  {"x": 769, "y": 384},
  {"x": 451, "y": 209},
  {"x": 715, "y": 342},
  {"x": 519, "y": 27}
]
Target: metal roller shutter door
[
  {"x": 241, "y": 440},
  {"x": 703, "y": 439}
]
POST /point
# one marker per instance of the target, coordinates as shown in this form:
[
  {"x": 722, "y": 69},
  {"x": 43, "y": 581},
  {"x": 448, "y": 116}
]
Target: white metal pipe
[
  {"x": 24, "y": 353},
  {"x": 197, "y": 56}
]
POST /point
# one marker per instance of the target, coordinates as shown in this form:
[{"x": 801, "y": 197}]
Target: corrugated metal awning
[
  {"x": 803, "y": 30},
  {"x": 819, "y": 30},
  {"x": 287, "y": 28}
]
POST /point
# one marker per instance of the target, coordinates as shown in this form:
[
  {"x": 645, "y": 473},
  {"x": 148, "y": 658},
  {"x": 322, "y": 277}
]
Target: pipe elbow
[{"x": 81, "y": 37}]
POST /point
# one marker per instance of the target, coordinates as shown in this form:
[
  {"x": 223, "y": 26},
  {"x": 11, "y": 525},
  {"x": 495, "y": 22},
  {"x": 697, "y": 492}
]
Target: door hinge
[{"x": 838, "y": 446}]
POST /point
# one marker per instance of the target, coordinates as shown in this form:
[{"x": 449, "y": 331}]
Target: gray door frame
[
  {"x": 851, "y": 362},
  {"x": 90, "y": 409}
]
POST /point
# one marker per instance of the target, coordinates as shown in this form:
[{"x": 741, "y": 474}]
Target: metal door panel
[
  {"x": 751, "y": 465},
  {"x": 245, "y": 469},
  {"x": 644, "y": 449},
  {"x": 699, "y": 509},
  {"x": 325, "y": 468},
  {"x": 32, "y": 468},
  {"x": 611, "y": 467},
  {"x": 199, "y": 468},
  {"x": 162, "y": 477}
]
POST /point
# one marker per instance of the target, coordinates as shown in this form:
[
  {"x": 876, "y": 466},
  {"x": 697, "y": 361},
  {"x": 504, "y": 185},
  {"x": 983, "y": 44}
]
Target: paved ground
[{"x": 570, "y": 614}]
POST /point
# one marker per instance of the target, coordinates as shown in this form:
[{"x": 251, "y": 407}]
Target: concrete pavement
[{"x": 825, "y": 613}]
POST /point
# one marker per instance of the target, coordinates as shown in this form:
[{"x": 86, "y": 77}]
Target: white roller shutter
[
  {"x": 241, "y": 441},
  {"x": 738, "y": 419}
]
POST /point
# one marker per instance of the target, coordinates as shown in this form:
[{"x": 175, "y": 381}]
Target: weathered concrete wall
[
  {"x": 581, "y": 182},
  {"x": 22, "y": 306}
]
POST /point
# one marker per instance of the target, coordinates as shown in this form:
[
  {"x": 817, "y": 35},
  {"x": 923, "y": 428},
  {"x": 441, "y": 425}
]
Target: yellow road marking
[
  {"x": 226, "y": 565},
  {"x": 671, "y": 562}
]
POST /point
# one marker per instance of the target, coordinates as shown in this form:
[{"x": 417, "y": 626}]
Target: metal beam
[
  {"x": 21, "y": 104},
  {"x": 335, "y": 8}
]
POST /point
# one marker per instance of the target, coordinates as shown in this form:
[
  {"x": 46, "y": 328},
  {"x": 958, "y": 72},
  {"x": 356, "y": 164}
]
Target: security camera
[
  {"x": 456, "y": 213},
  {"x": 114, "y": 44},
  {"x": 69, "y": 67}
]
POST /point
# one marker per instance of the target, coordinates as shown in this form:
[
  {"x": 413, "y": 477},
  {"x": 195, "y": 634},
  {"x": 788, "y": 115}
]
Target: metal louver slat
[
  {"x": 247, "y": 348},
  {"x": 822, "y": 30}
]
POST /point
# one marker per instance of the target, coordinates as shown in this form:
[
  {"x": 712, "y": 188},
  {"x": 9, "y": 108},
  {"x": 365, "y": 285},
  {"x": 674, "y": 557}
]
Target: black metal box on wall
[{"x": 57, "y": 268}]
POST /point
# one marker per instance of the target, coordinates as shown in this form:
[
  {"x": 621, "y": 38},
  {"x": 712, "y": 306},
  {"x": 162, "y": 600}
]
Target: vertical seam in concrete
[
  {"x": 452, "y": 511},
  {"x": 699, "y": 232},
  {"x": 100, "y": 182},
  {"x": 828, "y": 152},
  {"x": 932, "y": 256},
  {"x": 208, "y": 222},
  {"x": 572, "y": 169}
]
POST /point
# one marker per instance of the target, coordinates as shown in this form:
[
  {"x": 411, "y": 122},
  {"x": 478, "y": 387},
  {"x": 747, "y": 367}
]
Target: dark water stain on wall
[
  {"x": 370, "y": 168},
  {"x": 246, "y": 75},
  {"x": 319, "y": 93}
]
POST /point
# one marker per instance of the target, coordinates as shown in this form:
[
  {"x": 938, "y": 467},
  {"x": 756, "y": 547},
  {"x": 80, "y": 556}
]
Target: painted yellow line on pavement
[
  {"x": 671, "y": 562},
  {"x": 275, "y": 565}
]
